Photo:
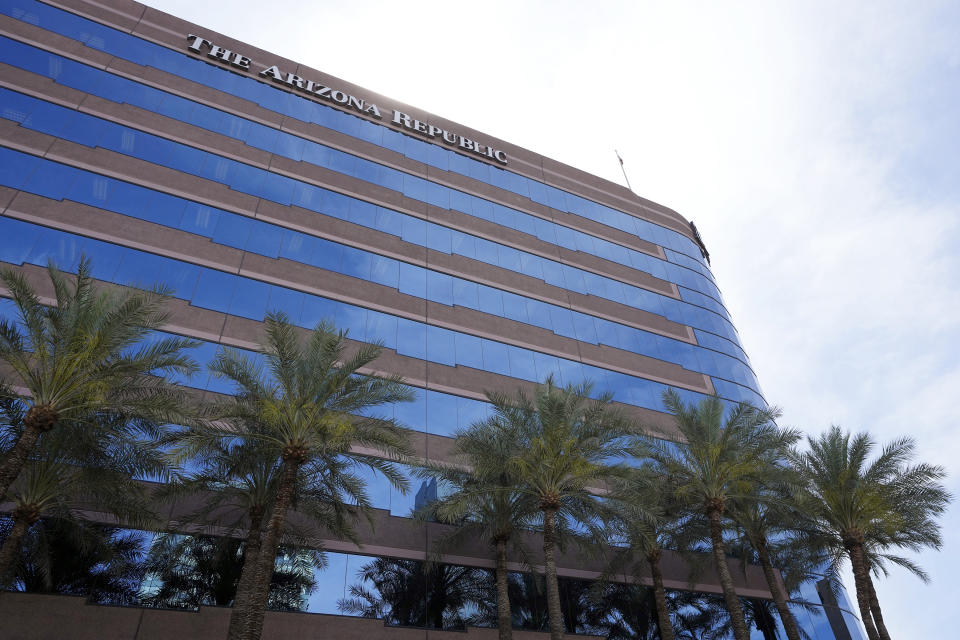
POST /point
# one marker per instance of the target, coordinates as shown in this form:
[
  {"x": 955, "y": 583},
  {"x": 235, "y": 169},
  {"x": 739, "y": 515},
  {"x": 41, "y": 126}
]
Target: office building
[{"x": 248, "y": 183}]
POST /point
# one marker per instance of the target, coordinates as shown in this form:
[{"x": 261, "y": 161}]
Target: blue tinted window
[
  {"x": 250, "y": 300},
  {"x": 466, "y": 293},
  {"x": 441, "y": 413},
  {"x": 382, "y": 327},
  {"x": 440, "y": 346},
  {"x": 214, "y": 290},
  {"x": 265, "y": 239},
  {"x": 385, "y": 271},
  {"x": 327, "y": 255},
  {"x": 411, "y": 339},
  {"x": 298, "y": 247},
  {"x": 522, "y": 364},
  {"x": 351, "y": 318},
  {"x": 107, "y": 261},
  {"x": 495, "y": 357},
  {"x": 439, "y": 238},
  {"x": 515, "y": 307},
  {"x": 469, "y": 350},
  {"x": 464, "y": 245},
  {"x": 285, "y": 300},
  {"x": 363, "y": 213},
  {"x": 232, "y": 231},
  {"x": 439, "y": 287},
  {"x": 18, "y": 241},
  {"x": 490, "y": 300},
  {"x": 317, "y": 310},
  {"x": 413, "y": 280},
  {"x": 414, "y": 230},
  {"x": 163, "y": 209},
  {"x": 50, "y": 180},
  {"x": 356, "y": 263}
]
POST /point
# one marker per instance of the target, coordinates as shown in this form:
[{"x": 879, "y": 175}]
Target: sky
[{"x": 813, "y": 143}]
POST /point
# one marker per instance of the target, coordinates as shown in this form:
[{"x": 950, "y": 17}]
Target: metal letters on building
[{"x": 317, "y": 90}]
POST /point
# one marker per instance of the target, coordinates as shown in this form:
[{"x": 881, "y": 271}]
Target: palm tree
[
  {"x": 699, "y": 615},
  {"x": 719, "y": 460},
  {"x": 237, "y": 480},
  {"x": 624, "y": 611},
  {"x": 760, "y": 613},
  {"x": 648, "y": 522},
  {"x": 311, "y": 407},
  {"x": 878, "y": 559},
  {"x": 528, "y": 605},
  {"x": 85, "y": 354},
  {"x": 481, "y": 498},
  {"x": 759, "y": 522},
  {"x": 416, "y": 594},
  {"x": 71, "y": 469},
  {"x": 74, "y": 557},
  {"x": 566, "y": 442},
  {"x": 204, "y": 570},
  {"x": 864, "y": 509},
  {"x": 769, "y": 513}
]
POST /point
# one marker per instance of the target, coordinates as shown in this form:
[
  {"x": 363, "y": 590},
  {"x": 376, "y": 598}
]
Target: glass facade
[{"x": 112, "y": 148}]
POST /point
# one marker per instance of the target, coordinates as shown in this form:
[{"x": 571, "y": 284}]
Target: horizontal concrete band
[
  {"x": 32, "y": 616},
  {"x": 188, "y": 247},
  {"x": 215, "y": 326},
  {"x": 149, "y": 122},
  {"x": 29, "y": 616},
  {"x": 143, "y": 173},
  {"x": 169, "y": 31}
]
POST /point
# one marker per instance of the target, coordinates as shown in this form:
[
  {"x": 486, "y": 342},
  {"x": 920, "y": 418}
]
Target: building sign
[{"x": 236, "y": 60}]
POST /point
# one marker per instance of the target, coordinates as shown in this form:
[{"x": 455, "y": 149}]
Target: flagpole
[{"x": 624, "y": 170}]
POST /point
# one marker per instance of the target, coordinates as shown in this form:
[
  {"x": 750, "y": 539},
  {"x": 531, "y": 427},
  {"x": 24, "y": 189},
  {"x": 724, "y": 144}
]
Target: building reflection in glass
[{"x": 138, "y": 568}]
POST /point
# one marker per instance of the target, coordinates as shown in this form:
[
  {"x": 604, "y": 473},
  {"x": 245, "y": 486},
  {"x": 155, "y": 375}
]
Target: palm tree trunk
[
  {"x": 436, "y": 596},
  {"x": 17, "y": 456},
  {"x": 660, "y": 596},
  {"x": 860, "y": 577},
  {"x": 763, "y": 619},
  {"x": 779, "y": 597},
  {"x": 550, "y": 575},
  {"x": 737, "y": 620},
  {"x": 10, "y": 551},
  {"x": 257, "y": 608},
  {"x": 875, "y": 610},
  {"x": 251, "y": 554},
  {"x": 504, "y": 616}
]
